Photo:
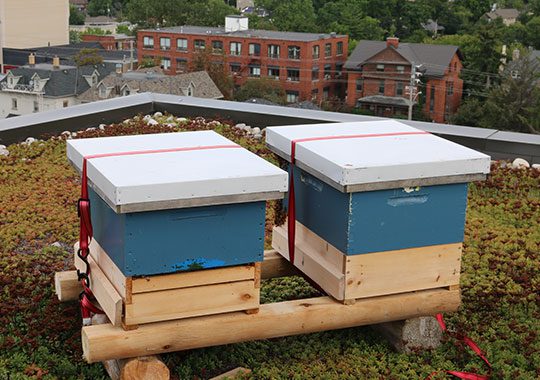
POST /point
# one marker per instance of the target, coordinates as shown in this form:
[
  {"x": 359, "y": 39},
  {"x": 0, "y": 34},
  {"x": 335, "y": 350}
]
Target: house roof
[
  {"x": 250, "y": 33},
  {"x": 63, "y": 80},
  {"x": 67, "y": 52},
  {"x": 435, "y": 58},
  {"x": 504, "y": 13},
  {"x": 203, "y": 85},
  {"x": 389, "y": 100}
]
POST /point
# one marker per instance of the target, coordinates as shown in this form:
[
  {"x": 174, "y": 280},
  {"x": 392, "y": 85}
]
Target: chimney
[
  {"x": 515, "y": 55},
  {"x": 56, "y": 62},
  {"x": 119, "y": 70},
  {"x": 236, "y": 23},
  {"x": 31, "y": 59},
  {"x": 392, "y": 41}
]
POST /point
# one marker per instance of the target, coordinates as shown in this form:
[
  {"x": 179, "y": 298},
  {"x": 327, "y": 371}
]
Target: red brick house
[
  {"x": 308, "y": 65},
  {"x": 111, "y": 41},
  {"x": 379, "y": 75}
]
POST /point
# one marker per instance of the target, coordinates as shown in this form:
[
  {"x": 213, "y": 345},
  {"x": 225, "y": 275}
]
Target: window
[
  {"x": 102, "y": 91},
  {"x": 13, "y": 104},
  {"x": 315, "y": 73},
  {"x": 94, "y": 79},
  {"x": 236, "y": 48},
  {"x": 148, "y": 42},
  {"x": 273, "y": 51},
  {"x": 326, "y": 93},
  {"x": 399, "y": 89},
  {"x": 432, "y": 99},
  {"x": 199, "y": 44},
  {"x": 293, "y": 75},
  {"x": 165, "y": 43},
  {"x": 254, "y": 70},
  {"x": 450, "y": 88},
  {"x": 273, "y": 72},
  {"x": 400, "y": 69},
  {"x": 181, "y": 65},
  {"x": 339, "y": 48},
  {"x": 327, "y": 71},
  {"x": 380, "y": 67},
  {"x": 316, "y": 52},
  {"x": 327, "y": 50},
  {"x": 314, "y": 94},
  {"x": 36, "y": 106},
  {"x": 217, "y": 47},
  {"x": 339, "y": 69},
  {"x": 190, "y": 90},
  {"x": 292, "y": 96},
  {"x": 65, "y": 103},
  {"x": 165, "y": 63},
  {"x": 235, "y": 68},
  {"x": 125, "y": 91},
  {"x": 255, "y": 50},
  {"x": 181, "y": 44},
  {"x": 359, "y": 85},
  {"x": 294, "y": 52},
  {"x": 381, "y": 87}
]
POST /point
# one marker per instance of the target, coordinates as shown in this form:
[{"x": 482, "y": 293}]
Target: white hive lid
[
  {"x": 391, "y": 154},
  {"x": 177, "y": 179}
]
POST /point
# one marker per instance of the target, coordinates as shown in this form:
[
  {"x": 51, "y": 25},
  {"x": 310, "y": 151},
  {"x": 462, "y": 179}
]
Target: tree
[
  {"x": 295, "y": 15},
  {"x": 533, "y": 32},
  {"x": 263, "y": 88},
  {"x": 515, "y": 103},
  {"x": 216, "y": 68},
  {"x": 76, "y": 17},
  {"x": 99, "y": 8},
  {"x": 88, "y": 57}
]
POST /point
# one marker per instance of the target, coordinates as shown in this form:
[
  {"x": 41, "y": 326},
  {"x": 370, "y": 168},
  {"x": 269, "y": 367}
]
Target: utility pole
[{"x": 413, "y": 90}]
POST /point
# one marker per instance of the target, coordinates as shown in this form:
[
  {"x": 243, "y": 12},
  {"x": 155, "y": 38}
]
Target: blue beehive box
[
  {"x": 198, "y": 204},
  {"x": 378, "y": 186}
]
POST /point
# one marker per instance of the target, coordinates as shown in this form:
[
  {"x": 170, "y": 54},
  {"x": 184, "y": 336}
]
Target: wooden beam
[
  {"x": 275, "y": 265},
  {"x": 140, "y": 368},
  {"x": 104, "y": 342},
  {"x": 66, "y": 286},
  {"x": 233, "y": 374}
]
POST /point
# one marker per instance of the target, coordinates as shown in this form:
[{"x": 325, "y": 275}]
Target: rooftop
[{"x": 250, "y": 33}]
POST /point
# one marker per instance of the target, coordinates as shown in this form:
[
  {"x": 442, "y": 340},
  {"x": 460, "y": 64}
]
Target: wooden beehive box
[
  {"x": 130, "y": 301},
  {"x": 200, "y": 205},
  {"x": 378, "y": 192}
]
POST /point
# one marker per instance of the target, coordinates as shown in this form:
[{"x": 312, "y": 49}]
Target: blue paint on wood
[
  {"x": 382, "y": 220},
  {"x": 166, "y": 241}
]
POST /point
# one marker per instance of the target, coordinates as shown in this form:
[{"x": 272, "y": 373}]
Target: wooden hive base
[
  {"x": 130, "y": 301},
  {"x": 348, "y": 278}
]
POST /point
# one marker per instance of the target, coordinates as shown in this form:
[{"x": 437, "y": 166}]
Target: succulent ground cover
[{"x": 39, "y": 337}]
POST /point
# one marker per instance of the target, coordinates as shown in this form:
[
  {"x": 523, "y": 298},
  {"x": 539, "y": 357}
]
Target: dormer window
[
  {"x": 102, "y": 91},
  {"x": 190, "y": 90},
  {"x": 94, "y": 79}
]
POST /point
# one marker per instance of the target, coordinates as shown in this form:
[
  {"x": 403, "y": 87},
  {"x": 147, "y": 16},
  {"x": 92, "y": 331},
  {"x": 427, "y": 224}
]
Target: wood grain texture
[
  {"x": 189, "y": 302},
  {"x": 275, "y": 265},
  {"x": 66, "y": 286},
  {"x": 304, "y": 316},
  {"x": 107, "y": 296}
]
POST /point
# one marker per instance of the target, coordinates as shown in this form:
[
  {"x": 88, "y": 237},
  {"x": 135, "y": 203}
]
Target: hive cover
[
  {"x": 362, "y": 156},
  {"x": 209, "y": 170}
]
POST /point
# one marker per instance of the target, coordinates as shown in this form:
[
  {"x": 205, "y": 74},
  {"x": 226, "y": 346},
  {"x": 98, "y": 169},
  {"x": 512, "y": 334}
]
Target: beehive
[{"x": 368, "y": 188}]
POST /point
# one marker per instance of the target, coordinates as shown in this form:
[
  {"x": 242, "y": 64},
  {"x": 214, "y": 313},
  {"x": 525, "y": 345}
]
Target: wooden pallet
[
  {"x": 347, "y": 278},
  {"x": 106, "y": 342},
  {"x": 130, "y": 301}
]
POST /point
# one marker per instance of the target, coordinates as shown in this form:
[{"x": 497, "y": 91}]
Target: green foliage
[
  {"x": 216, "y": 66},
  {"x": 99, "y": 8},
  {"x": 264, "y": 88},
  {"x": 76, "y": 17},
  {"x": 74, "y": 37},
  {"x": 97, "y": 31},
  {"x": 88, "y": 57},
  {"x": 150, "y": 13},
  {"x": 533, "y": 32},
  {"x": 124, "y": 29}
]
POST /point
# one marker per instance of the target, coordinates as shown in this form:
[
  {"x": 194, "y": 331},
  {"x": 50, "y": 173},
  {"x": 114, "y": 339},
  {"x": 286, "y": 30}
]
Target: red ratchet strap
[
  {"x": 473, "y": 346},
  {"x": 291, "y": 212},
  {"x": 86, "y": 233}
]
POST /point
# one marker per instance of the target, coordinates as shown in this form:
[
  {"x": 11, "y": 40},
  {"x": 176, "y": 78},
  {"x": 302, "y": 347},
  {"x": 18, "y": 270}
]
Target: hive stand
[{"x": 105, "y": 342}]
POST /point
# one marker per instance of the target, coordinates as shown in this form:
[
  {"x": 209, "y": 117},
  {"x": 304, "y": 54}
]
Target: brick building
[
  {"x": 308, "y": 65},
  {"x": 111, "y": 41},
  {"x": 379, "y": 76}
]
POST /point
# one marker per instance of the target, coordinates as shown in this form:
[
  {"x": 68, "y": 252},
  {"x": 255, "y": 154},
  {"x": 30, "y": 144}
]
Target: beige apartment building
[{"x": 33, "y": 23}]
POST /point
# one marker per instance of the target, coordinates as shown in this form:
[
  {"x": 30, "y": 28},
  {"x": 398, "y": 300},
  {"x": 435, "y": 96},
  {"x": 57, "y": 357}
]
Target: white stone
[
  {"x": 258, "y": 136},
  {"x": 171, "y": 125},
  {"x": 158, "y": 114},
  {"x": 152, "y": 122},
  {"x": 101, "y": 127},
  {"x": 4, "y": 151},
  {"x": 67, "y": 133},
  {"x": 256, "y": 130},
  {"x": 74, "y": 134},
  {"x": 181, "y": 119},
  {"x": 90, "y": 129},
  {"x": 170, "y": 119},
  {"x": 29, "y": 140},
  {"x": 56, "y": 244},
  {"x": 520, "y": 163},
  {"x": 147, "y": 117},
  {"x": 536, "y": 166}
]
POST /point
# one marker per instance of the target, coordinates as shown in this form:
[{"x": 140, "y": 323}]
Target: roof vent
[
  {"x": 56, "y": 62},
  {"x": 333, "y": 34},
  {"x": 236, "y": 23}
]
